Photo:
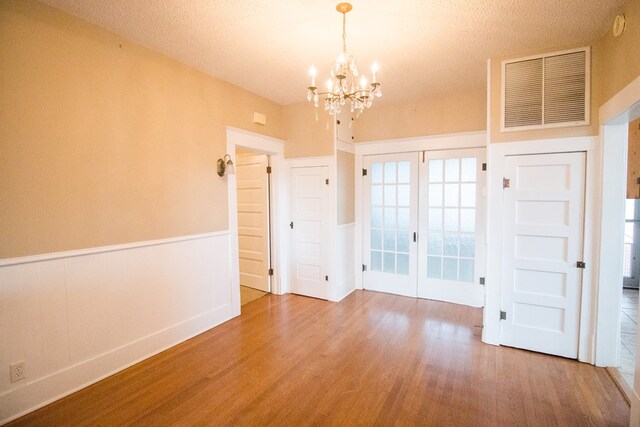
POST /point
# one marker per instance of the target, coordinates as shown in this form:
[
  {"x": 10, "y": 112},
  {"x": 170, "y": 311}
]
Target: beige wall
[
  {"x": 346, "y": 164},
  {"x": 103, "y": 141},
  {"x": 619, "y": 58},
  {"x": 309, "y": 131},
  {"x": 452, "y": 113}
]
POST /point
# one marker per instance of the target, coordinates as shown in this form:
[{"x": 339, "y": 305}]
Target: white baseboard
[{"x": 45, "y": 390}]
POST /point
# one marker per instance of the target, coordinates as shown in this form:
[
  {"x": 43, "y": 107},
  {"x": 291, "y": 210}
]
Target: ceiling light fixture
[{"x": 344, "y": 84}]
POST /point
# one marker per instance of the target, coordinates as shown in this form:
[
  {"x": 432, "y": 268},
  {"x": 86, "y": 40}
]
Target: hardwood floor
[{"x": 371, "y": 359}]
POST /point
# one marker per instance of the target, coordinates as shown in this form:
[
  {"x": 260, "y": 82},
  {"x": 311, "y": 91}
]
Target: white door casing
[
  {"x": 452, "y": 226},
  {"x": 390, "y": 223},
  {"x": 253, "y": 219},
  {"x": 543, "y": 240},
  {"x": 310, "y": 228}
]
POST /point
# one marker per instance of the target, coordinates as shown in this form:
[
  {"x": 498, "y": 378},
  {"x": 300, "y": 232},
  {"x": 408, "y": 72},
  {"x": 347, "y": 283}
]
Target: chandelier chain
[{"x": 344, "y": 33}]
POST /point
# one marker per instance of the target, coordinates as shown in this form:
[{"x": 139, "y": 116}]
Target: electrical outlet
[{"x": 17, "y": 372}]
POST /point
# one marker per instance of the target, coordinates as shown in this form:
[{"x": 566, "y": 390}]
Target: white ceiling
[{"x": 423, "y": 47}]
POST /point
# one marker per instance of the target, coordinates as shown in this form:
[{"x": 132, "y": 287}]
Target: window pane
[
  {"x": 435, "y": 170},
  {"x": 403, "y": 264},
  {"x": 451, "y": 195},
  {"x": 389, "y": 240},
  {"x": 434, "y": 268},
  {"x": 468, "y": 220},
  {"x": 435, "y": 219},
  {"x": 434, "y": 243},
  {"x": 403, "y": 241},
  {"x": 451, "y": 219},
  {"x": 390, "y": 172},
  {"x": 376, "y": 239},
  {"x": 389, "y": 262},
  {"x": 466, "y": 270},
  {"x": 376, "y": 173},
  {"x": 404, "y": 195},
  {"x": 468, "y": 195},
  {"x": 389, "y": 217},
  {"x": 376, "y": 217},
  {"x": 404, "y": 172},
  {"x": 467, "y": 245},
  {"x": 435, "y": 194},
  {"x": 390, "y": 195},
  {"x": 450, "y": 269},
  {"x": 452, "y": 170},
  {"x": 376, "y": 195},
  {"x": 403, "y": 219},
  {"x": 451, "y": 244},
  {"x": 468, "y": 173},
  {"x": 376, "y": 261}
]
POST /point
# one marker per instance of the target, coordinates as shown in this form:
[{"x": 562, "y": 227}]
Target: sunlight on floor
[{"x": 249, "y": 294}]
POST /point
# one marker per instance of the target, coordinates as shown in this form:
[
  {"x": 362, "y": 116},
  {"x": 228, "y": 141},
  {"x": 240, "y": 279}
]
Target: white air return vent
[{"x": 546, "y": 91}]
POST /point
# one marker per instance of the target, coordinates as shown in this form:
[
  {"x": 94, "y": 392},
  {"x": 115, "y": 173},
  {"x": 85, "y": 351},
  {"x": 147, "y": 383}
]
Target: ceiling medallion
[{"x": 344, "y": 84}]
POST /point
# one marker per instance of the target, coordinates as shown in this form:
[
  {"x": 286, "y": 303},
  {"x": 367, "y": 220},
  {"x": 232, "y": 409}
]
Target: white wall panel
[
  {"x": 345, "y": 261},
  {"x": 77, "y": 317}
]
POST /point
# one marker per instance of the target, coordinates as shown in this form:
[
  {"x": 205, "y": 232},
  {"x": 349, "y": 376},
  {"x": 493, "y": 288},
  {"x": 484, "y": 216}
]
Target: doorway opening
[{"x": 253, "y": 190}]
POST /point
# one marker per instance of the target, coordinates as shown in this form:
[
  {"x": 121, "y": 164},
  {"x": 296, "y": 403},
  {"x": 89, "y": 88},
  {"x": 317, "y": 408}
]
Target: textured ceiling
[{"x": 423, "y": 47}]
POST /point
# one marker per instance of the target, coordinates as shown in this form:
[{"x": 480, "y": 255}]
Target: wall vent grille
[{"x": 546, "y": 91}]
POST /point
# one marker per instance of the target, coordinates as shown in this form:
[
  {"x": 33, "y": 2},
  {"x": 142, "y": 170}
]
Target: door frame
[
  {"x": 497, "y": 154},
  {"x": 279, "y": 207}
]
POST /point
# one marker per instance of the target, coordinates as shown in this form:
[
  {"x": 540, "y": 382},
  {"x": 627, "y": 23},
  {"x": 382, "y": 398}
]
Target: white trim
[
  {"x": 311, "y": 162},
  {"x": 347, "y": 225},
  {"x": 349, "y": 147},
  {"x": 496, "y": 156},
  {"x": 623, "y": 107},
  {"x": 279, "y": 208},
  {"x": 587, "y": 111},
  {"x": 65, "y": 381},
  {"x": 101, "y": 249},
  {"x": 452, "y": 141}
]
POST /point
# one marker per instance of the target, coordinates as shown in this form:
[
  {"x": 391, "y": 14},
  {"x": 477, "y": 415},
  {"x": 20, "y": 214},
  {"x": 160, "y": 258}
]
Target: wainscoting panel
[
  {"x": 77, "y": 317},
  {"x": 345, "y": 263}
]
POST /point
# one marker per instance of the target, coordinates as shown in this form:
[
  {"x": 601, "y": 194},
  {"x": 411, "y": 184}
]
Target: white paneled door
[
  {"x": 542, "y": 249},
  {"x": 452, "y": 232},
  {"x": 390, "y": 217},
  {"x": 253, "y": 219},
  {"x": 310, "y": 227}
]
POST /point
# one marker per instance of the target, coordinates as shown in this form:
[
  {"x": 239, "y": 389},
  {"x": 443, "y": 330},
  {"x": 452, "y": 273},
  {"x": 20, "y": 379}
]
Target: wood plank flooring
[{"x": 372, "y": 359}]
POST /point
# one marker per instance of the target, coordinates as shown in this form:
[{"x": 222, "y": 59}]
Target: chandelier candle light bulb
[{"x": 343, "y": 85}]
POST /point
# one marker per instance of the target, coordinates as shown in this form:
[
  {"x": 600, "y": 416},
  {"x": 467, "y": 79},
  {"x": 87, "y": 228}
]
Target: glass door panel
[
  {"x": 390, "y": 192},
  {"x": 451, "y": 251},
  {"x": 631, "y": 246}
]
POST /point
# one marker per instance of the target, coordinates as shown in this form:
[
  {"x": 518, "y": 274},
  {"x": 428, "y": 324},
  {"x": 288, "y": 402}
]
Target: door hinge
[
  {"x": 415, "y": 237},
  {"x": 638, "y": 180},
  {"x": 484, "y": 166},
  {"x": 364, "y": 172},
  {"x": 364, "y": 267},
  {"x": 268, "y": 169},
  {"x": 326, "y": 278},
  {"x": 291, "y": 225},
  {"x": 482, "y": 280},
  {"x": 326, "y": 181},
  {"x": 581, "y": 264},
  {"x": 506, "y": 183},
  {"x": 271, "y": 272},
  {"x": 503, "y": 315}
]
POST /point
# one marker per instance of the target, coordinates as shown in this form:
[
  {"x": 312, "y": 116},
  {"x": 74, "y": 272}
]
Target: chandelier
[{"x": 344, "y": 83}]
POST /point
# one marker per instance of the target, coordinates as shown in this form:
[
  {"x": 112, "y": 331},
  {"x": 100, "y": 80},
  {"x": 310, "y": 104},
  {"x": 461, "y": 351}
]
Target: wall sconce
[{"x": 225, "y": 167}]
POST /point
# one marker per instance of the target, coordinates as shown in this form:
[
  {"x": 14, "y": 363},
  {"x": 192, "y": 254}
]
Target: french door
[
  {"x": 423, "y": 232},
  {"x": 391, "y": 223}
]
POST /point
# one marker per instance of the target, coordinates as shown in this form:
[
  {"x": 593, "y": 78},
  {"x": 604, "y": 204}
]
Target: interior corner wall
[
  {"x": 308, "y": 131},
  {"x": 104, "y": 141},
  {"x": 618, "y": 59},
  {"x": 345, "y": 163},
  {"x": 446, "y": 114}
]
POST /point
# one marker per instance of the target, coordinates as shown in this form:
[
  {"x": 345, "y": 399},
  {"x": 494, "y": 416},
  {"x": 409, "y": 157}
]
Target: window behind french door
[
  {"x": 631, "y": 270},
  {"x": 424, "y": 225}
]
